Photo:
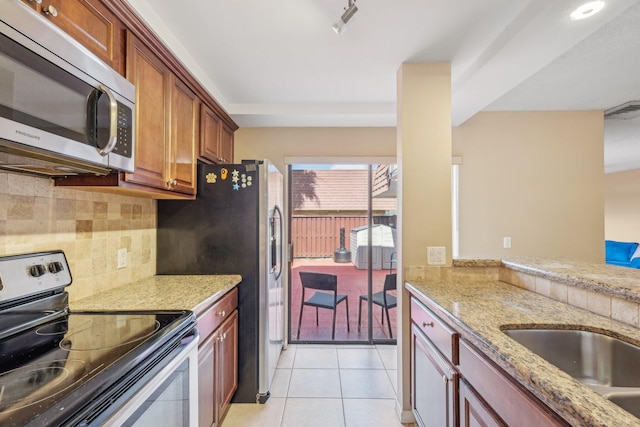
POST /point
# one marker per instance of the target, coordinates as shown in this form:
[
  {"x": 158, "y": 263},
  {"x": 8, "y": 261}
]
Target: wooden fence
[{"x": 319, "y": 236}]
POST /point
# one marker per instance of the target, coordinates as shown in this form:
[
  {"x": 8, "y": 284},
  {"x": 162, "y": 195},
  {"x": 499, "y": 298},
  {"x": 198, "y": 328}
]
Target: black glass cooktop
[{"x": 68, "y": 361}]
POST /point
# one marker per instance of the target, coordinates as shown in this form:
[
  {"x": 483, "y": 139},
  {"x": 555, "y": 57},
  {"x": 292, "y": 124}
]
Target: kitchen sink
[
  {"x": 606, "y": 364},
  {"x": 627, "y": 400},
  {"x": 589, "y": 357}
]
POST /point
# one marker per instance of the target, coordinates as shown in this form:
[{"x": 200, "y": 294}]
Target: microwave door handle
[{"x": 113, "y": 121}]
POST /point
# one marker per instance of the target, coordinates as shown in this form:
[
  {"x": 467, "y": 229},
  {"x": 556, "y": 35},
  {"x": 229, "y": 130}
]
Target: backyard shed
[{"x": 383, "y": 244}]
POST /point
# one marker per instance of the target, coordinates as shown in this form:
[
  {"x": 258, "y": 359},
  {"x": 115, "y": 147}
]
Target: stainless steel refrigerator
[{"x": 235, "y": 226}]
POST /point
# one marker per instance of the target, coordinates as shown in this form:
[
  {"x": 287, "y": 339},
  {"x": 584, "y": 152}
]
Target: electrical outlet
[
  {"x": 436, "y": 255},
  {"x": 506, "y": 242},
  {"x": 122, "y": 258}
]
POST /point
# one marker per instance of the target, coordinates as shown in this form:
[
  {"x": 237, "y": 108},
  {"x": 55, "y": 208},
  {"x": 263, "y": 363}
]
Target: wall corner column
[{"x": 424, "y": 187}]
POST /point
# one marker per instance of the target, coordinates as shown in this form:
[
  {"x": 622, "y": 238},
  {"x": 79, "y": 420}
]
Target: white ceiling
[{"x": 278, "y": 63}]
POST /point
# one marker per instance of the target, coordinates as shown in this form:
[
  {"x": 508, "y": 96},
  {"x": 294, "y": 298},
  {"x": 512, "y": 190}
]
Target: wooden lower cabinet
[
  {"x": 508, "y": 400},
  {"x": 206, "y": 383},
  {"x": 227, "y": 363},
  {"x": 434, "y": 383},
  {"x": 217, "y": 360},
  {"x": 474, "y": 412},
  {"x": 454, "y": 384}
]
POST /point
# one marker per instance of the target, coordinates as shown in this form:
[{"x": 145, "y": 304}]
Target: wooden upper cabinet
[
  {"x": 184, "y": 112},
  {"x": 167, "y": 123},
  {"x": 171, "y": 131},
  {"x": 226, "y": 143},
  {"x": 210, "y": 125},
  {"x": 216, "y": 138},
  {"x": 152, "y": 80},
  {"x": 90, "y": 23}
]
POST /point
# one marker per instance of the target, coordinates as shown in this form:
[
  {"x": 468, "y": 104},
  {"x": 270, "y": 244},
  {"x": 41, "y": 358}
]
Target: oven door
[{"x": 168, "y": 399}]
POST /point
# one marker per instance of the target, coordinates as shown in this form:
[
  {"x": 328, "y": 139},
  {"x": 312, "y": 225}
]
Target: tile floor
[{"x": 328, "y": 386}]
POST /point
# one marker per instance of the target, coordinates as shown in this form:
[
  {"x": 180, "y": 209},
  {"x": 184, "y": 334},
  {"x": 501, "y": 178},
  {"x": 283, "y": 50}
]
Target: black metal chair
[
  {"x": 383, "y": 299},
  {"x": 326, "y": 296}
]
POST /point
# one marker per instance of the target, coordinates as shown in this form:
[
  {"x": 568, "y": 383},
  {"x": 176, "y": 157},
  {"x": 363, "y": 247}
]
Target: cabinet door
[
  {"x": 226, "y": 144},
  {"x": 520, "y": 409},
  {"x": 210, "y": 125},
  {"x": 185, "y": 121},
  {"x": 474, "y": 412},
  {"x": 91, "y": 24},
  {"x": 207, "y": 405},
  {"x": 152, "y": 80},
  {"x": 32, "y": 3},
  {"x": 433, "y": 384},
  {"x": 227, "y": 363}
]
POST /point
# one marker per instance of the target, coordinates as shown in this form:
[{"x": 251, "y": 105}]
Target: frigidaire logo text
[{"x": 28, "y": 135}]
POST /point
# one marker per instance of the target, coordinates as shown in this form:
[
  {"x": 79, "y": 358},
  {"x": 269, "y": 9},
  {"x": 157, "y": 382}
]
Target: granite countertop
[
  {"x": 479, "y": 308},
  {"x": 180, "y": 292},
  {"x": 612, "y": 280}
]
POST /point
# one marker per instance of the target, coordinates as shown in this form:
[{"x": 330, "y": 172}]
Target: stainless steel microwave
[{"x": 62, "y": 110}]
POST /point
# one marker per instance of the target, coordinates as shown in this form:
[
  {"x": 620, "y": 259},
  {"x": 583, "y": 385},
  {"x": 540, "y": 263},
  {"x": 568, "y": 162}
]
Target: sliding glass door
[{"x": 343, "y": 240}]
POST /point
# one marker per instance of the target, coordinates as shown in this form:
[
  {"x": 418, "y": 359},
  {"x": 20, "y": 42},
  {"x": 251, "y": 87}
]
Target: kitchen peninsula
[{"x": 478, "y": 300}]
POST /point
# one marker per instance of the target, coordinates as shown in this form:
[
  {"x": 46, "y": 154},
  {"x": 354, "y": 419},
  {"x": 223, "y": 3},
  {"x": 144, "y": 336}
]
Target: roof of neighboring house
[{"x": 334, "y": 190}]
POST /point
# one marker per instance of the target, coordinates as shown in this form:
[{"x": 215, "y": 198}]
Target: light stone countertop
[
  {"x": 612, "y": 280},
  {"x": 180, "y": 292},
  {"x": 479, "y": 308}
]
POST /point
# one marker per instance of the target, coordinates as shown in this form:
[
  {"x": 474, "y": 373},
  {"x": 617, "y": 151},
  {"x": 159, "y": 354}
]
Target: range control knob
[
  {"x": 55, "y": 267},
  {"x": 37, "y": 270}
]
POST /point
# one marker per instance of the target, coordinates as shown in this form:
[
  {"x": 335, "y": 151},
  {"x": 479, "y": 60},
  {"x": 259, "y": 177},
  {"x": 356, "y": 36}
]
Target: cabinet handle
[
  {"x": 172, "y": 182},
  {"x": 425, "y": 324},
  {"x": 49, "y": 10},
  {"x": 445, "y": 379},
  {"x": 222, "y": 313}
]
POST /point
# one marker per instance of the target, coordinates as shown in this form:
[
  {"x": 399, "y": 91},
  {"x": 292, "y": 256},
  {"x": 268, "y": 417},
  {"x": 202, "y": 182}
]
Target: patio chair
[
  {"x": 383, "y": 299},
  {"x": 326, "y": 296}
]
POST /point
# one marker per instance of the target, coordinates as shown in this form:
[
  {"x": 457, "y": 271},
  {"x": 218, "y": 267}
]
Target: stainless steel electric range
[{"x": 65, "y": 368}]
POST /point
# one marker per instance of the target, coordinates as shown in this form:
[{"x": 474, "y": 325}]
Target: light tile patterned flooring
[{"x": 327, "y": 386}]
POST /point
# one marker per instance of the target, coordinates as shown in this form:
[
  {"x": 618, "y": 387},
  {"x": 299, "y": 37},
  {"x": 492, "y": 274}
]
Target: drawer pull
[
  {"x": 425, "y": 324},
  {"x": 445, "y": 379},
  {"x": 222, "y": 313},
  {"x": 50, "y": 10}
]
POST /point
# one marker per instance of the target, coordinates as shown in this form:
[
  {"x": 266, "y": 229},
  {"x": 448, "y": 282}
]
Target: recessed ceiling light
[{"x": 587, "y": 10}]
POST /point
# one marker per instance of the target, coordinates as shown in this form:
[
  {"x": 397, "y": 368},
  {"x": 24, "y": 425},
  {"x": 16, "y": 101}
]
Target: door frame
[{"x": 289, "y": 161}]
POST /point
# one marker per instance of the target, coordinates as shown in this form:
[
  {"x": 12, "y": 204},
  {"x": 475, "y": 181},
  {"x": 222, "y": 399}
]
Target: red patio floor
[{"x": 352, "y": 282}]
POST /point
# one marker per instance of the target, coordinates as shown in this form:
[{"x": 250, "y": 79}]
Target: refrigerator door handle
[{"x": 275, "y": 244}]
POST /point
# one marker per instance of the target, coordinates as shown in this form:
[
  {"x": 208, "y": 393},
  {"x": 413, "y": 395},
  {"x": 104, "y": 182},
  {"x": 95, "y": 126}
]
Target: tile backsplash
[{"x": 88, "y": 226}]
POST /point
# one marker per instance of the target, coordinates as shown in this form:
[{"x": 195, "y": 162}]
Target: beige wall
[
  {"x": 277, "y": 143},
  {"x": 424, "y": 160},
  {"x": 536, "y": 177},
  {"x": 622, "y": 206},
  {"x": 89, "y": 227}
]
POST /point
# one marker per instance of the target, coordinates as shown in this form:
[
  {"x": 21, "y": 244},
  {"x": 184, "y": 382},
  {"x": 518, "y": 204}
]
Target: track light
[{"x": 349, "y": 11}]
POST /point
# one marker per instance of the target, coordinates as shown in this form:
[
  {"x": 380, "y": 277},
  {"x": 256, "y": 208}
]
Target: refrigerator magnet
[{"x": 211, "y": 178}]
